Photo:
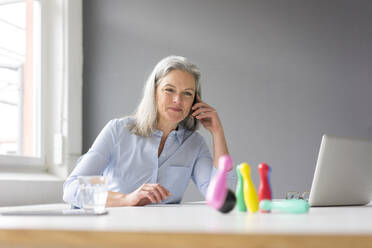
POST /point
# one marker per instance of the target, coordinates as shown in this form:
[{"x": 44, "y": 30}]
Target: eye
[
  {"x": 188, "y": 93},
  {"x": 169, "y": 90}
]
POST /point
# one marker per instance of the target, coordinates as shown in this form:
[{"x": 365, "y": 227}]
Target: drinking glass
[{"x": 93, "y": 192}]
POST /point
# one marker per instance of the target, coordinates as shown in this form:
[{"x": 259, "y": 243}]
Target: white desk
[{"x": 192, "y": 224}]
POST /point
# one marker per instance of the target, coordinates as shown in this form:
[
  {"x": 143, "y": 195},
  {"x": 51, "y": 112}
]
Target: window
[
  {"x": 20, "y": 82},
  {"x": 41, "y": 59}
]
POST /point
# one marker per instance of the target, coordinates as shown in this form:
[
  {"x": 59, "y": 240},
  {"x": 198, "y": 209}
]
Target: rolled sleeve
[{"x": 203, "y": 169}]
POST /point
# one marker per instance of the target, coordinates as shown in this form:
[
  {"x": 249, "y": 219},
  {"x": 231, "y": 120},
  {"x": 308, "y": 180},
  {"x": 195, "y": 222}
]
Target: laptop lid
[{"x": 343, "y": 173}]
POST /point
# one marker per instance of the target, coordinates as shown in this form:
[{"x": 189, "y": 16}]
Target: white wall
[{"x": 280, "y": 73}]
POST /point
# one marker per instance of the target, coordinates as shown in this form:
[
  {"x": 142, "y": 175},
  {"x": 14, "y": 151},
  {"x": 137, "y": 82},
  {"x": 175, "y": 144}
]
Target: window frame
[{"x": 61, "y": 77}]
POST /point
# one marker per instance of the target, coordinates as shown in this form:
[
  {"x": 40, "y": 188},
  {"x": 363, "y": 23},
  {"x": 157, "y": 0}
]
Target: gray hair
[{"x": 146, "y": 113}]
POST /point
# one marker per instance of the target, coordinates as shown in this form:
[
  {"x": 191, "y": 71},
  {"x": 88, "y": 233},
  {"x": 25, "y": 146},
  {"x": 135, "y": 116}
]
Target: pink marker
[{"x": 218, "y": 195}]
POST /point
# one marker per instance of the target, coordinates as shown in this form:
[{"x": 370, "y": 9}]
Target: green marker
[
  {"x": 240, "y": 192},
  {"x": 292, "y": 206}
]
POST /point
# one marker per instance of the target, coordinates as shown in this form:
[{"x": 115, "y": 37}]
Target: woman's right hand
[{"x": 147, "y": 193}]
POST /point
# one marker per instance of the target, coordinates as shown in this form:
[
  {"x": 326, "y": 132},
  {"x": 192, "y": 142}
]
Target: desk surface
[{"x": 167, "y": 225}]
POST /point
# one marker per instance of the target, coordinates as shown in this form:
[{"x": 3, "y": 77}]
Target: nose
[{"x": 177, "y": 98}]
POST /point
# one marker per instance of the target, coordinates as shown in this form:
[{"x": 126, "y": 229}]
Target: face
[{"x": 174, "y": 96}]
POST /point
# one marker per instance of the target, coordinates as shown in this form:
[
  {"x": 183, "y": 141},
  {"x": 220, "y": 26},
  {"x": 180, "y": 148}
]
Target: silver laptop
[{"x": 343, "y": 173}]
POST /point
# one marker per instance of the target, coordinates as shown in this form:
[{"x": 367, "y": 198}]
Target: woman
[{"x": 150, "y": 157}]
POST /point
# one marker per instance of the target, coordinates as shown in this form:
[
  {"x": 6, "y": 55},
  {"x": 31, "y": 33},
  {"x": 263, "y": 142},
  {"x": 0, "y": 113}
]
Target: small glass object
[
  {"x": 93, "y": 193},
  {"x": 297, "y": 195}
]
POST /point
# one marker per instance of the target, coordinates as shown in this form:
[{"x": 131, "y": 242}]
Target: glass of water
[{"x": 93, "y": 192}]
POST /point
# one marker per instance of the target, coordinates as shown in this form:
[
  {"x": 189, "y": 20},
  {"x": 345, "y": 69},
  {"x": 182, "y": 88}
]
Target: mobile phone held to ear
[
  {"x": 195, "y": 99},
  {"x": 192, "y": 110}
]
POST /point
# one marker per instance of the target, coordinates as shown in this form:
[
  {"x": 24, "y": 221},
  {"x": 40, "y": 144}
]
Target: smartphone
[
  {"x": 195, "y": 100},
  {"x": 191, "y": 110}
]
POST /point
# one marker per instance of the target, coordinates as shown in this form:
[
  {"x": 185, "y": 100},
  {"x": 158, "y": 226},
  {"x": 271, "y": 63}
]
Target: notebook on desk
[
  {"x": 64, "y": 212},
  {"x": 343, "y": 173}
]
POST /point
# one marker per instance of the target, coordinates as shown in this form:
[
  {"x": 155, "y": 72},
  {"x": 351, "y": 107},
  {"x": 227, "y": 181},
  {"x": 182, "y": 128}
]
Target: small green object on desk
[
  {"x": 291, "y": 206},
  {"x": 239, "y": 191}
]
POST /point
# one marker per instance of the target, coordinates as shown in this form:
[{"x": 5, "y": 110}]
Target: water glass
[{"x": 93, "y": 192}]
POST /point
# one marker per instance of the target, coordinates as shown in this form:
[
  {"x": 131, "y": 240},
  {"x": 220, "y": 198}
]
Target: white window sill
[
  {"x": 26, "y": 176},
  {"x": 26, "y": 188}
]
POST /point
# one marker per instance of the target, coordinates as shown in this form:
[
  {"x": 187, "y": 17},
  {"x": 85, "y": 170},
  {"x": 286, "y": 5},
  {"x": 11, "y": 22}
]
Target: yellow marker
[{"x": 250, "y": 193}]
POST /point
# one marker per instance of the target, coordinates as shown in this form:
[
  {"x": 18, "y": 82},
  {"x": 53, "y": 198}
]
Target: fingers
[
  {"x": 201, "y": 107},
  {"x": 205, "y": 115},
  {"x": 200, "y": 104},
  {"x": 165, "y": 190},
  {"x": 148, "y": 195},
  {"x": 156, "y": 192},
  {"x": 138, "y": 198},
  {"x": 202, "y": 110},
  {"x": 164, "y": 193},
  {"x": 143, "y": 202}
]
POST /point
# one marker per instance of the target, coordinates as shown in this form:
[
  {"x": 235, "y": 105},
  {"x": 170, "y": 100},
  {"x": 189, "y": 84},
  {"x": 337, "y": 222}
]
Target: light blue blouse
[{"x": 129, "y": 160}]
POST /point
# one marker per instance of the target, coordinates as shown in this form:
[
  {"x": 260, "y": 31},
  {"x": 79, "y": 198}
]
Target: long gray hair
[{"x": 146, "y": 113}]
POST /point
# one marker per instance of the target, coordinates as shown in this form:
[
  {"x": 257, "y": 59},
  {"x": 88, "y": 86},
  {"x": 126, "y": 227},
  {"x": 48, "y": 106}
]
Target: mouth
[{"x": 176, "y": 109}]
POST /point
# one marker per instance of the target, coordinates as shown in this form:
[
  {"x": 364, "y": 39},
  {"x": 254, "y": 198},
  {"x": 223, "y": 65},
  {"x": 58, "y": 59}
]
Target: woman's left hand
[{"x": 207, "y": 116}]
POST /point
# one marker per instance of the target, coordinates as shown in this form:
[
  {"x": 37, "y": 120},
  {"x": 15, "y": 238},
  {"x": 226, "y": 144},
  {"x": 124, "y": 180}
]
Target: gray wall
[{"x": 280, "y": 73}]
